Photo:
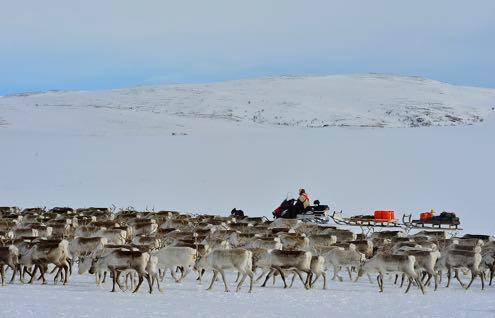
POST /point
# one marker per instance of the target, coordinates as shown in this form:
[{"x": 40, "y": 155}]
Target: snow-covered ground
[
  {"x": 81, "y": 298},
  {"x": 209, "y": 148}
]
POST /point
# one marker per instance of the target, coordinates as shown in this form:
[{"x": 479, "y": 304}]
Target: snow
[
  {"x": 81, "y": 298},
  {"x": 200, "y": 149},
  {"x": 372, "y": 100}
]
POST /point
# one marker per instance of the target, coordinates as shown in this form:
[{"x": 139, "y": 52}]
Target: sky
[{"x": 59, "y": 44}]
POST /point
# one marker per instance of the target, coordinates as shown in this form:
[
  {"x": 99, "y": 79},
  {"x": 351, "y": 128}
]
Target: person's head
[{"x": 302, "y": 191}]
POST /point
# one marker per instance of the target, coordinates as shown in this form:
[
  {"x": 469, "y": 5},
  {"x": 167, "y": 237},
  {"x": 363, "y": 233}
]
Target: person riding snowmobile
[{"x": 303, "y": 202}]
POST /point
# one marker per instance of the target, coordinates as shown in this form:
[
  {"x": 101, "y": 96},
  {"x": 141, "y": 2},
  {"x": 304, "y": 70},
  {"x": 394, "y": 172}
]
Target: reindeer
[
  {"x": 338, "y": 258},
  {"x": 231, "y": 259},
  {"x": 386, "y": 263},
  {"x": 173, "y": 257},
  {"x": 317, "y": 270},
  {"x": 457, "y": 259},
  {"x": 298, "y": 261},
  {"x": 9, "y": 256},
  {"x": 121, "y": 260},
  {"x": 47, "y": 252}
]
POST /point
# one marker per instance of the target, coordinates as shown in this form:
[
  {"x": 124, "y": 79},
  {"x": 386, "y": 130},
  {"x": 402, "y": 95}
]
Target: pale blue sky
[{"x": 59, "y": 44}]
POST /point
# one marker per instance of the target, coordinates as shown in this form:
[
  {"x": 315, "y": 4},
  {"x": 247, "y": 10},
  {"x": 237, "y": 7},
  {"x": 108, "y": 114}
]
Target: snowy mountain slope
[{"x": 371, "y": 100}]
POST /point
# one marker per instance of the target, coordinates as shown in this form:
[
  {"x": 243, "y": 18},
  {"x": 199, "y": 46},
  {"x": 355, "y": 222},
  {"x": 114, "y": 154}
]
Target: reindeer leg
[
  {"x": 55, "y": 278},
  {"x": 350, "y": 274},
  {"x": 456, "y": 275},
  {"x": 238, "y": 277},
  {"x": 239, "y": 286},
  {"x": 301, "y": 278},
  {"x": 222, "y": 273},
  {"x": 66, "y": 269},
  {"x": 117, "y": 280},
  {"x": 114, "y": 280},
  {"x": 267, "y": 277},
  {"x": 420, "y": 285},
  {"x": 201, "y": 273},
  {"x": 482, "y": 281},
  {"x": 449, "y": 273},
  {"x": 126, "y": 281},
  {"x": 309, "y": 275},
  {"x": 2, "y": 273},
  {"x": 157, "y": 279},
  {"x": 311, "y": 283},
  {"x": 282, "y": 275},
  {"x": 140, "y": 282},
  {"x": 292, "y": 281},
  {"x": 22, "y": 274},
  {"x": 70, "y": 264},
  {"x": 215, "y": 274},
  {"x": 42, "y": 271},
  {"x": 173, "y": 276},
  {"x": 33, "y": 274},
  {"x": 251, "y": 278},
  {"x": 97, "y": 278},
  {"x": 424, "y": 276},
  {"x": 150, "y": 284},
  {"x": 13, "y": 275},
  {"x": 325, "y": 280},
  {"x": 335, "y": 272},
  {"x": 429, "y": 275},
  {"x": 185, "y": 272},
  {"x": 369, "y": 278},
  {"x": 408, "y": 285},
  {"x": 436, "y": 280},
  {"x": 263, "y": 273},
  {"x": 473, "y": 276}
]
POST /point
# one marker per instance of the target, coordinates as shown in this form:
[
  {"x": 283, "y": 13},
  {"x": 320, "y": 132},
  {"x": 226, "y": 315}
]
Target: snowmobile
[{"x": 317, "y": 213}]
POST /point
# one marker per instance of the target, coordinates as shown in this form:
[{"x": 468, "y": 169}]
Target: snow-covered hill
[{"x": 372, "y": 100}]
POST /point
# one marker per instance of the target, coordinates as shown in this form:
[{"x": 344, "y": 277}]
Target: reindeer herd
[{"x": 130, "y": 246}]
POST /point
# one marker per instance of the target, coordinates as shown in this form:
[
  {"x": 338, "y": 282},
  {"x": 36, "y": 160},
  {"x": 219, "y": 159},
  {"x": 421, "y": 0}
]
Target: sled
[
  {"x": 339, "y": 219},
  {"x": 443, "y": 225},
  {"x": 316, "y": 217}
]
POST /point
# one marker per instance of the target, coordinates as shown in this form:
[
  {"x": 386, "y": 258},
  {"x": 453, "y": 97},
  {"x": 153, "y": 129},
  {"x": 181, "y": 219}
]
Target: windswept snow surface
[
  {"x": 209, "y": 148},
  {"x": 81, "y": 298}
]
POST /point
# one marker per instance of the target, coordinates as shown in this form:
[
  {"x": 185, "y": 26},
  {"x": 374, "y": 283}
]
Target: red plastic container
[
  {"x": 384, "y": 215},
  {"x": 425, "y": 216},
  {"x": 378, "y": 215}
]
